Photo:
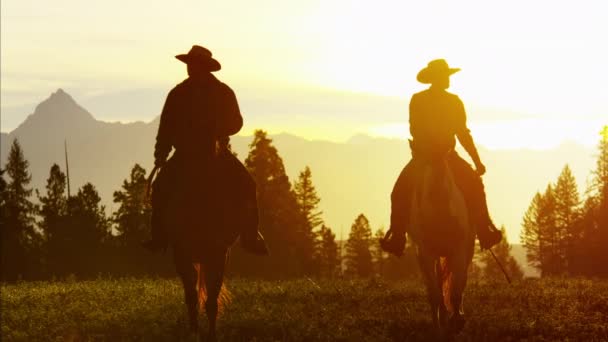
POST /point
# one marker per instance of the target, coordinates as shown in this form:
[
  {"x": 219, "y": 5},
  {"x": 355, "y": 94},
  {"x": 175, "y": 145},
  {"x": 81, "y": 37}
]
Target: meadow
[{"x": 302, "y": 310}]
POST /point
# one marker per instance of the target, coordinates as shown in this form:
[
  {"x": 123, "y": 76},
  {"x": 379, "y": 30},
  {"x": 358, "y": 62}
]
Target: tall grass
[{"x": 302, "y": 310}]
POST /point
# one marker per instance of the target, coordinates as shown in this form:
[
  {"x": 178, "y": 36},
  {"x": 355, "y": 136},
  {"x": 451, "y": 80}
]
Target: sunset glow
[{"x": 531, "y": 73}]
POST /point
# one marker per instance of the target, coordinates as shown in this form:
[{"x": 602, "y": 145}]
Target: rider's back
[
  {"x": 436, "y": 116},
  {"x": 197, "y": 112}
]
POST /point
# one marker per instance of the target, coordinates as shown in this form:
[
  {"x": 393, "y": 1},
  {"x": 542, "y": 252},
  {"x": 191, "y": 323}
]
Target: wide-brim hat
[
  {"x": 435, "y": 69},
  {"x": 200, "y": 55}
]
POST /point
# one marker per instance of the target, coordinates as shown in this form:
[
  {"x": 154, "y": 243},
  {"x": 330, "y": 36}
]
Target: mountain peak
[
  {"x": 58, "y": 111},
  {"x": 61, "y": 106},
  {"x": 58, "y": 99}
]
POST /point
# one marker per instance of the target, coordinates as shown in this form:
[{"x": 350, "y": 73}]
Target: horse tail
[
  {"x": 224, "y": 297},
  {"x": 201, "y": 285},
  {"x": 445, "y": 275}
]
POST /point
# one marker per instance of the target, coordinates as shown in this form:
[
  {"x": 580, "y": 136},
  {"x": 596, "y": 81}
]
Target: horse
[
  {"x": 444, "y": 238},
  {"x": 198, "y": 217}
]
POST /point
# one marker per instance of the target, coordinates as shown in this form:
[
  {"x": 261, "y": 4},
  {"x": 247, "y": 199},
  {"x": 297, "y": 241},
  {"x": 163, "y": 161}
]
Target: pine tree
[
  {"x": 502, "y": 251},
  {"x": 601, "y": 176},
  {"x": 20, "y": 241},
  {"x": 549, "y": 237},
  {"x": 88, "y": 231},
  {"x": 53, "y": 223},
  {"x": 358, "y": 256},
  {"x": 540, "y": 235},
  {"x": 280, "y": 219},
  {"x": 595, "y": 223},
  {"x": 531, "y": 234},
  {"x": 3, "y": 196},
  {"x": 567, "y": 216},
  {"x": 132, "y": 218},
  {"x": 379, "y": 256},
  {"x": 308, "y": 204},
  {"x": 326, "y": 252}
]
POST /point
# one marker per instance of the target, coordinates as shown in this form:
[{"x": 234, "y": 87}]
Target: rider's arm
[
  {"x": 464, "y": 134},
  {"x": 163, "y": 138},
  {"x": 230, "y": 120}
]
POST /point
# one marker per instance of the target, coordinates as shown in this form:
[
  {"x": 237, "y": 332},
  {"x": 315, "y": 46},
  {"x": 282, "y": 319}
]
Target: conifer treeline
[
  {"x": 564, "y": 234},
  {"x": 61, "y": 236}
]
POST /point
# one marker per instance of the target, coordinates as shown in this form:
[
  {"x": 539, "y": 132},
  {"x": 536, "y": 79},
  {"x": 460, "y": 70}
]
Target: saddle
[{"x": 222, "y": 197}]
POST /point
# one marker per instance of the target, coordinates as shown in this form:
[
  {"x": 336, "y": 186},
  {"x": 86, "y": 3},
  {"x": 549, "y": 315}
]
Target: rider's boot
[
  {"x": 488, "y": 234},
  {"x": 394, "y": 240}
]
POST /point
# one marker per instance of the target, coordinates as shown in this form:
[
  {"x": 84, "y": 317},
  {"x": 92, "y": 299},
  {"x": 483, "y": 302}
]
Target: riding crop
[{"x": 501, "y": 267}]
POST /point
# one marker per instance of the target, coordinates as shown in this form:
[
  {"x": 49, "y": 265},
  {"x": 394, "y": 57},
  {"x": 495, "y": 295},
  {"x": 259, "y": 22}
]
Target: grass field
[{"x": 302, "y": 310}]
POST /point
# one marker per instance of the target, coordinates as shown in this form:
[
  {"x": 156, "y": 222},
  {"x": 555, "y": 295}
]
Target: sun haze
[{"x": 524, "y": 65}]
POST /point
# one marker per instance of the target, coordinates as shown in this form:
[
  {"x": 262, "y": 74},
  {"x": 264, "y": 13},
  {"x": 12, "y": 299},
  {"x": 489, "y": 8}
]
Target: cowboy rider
[
  {"x": 199, "y": 115},
  {"x": 437, "y": 118}
]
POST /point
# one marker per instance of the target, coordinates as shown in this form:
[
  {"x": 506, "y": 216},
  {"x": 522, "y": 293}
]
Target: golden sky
[{"x": 322, "y": 69}]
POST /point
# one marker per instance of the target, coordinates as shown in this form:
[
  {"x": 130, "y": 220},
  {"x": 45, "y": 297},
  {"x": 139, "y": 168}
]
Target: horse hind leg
[
  {"x": 214, "y": 278},
  {"x": 188, "y": 275},
  {"x": 458, "y": 266},
  {"x": 427, "y": 268},
  {"x": 440, "y": 279}
]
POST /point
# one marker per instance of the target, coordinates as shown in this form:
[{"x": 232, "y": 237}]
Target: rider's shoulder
[
  {"x": 224, "y": 87},
  {"x": 435, "y": 93},
  {"x": 180, "y": 87}
]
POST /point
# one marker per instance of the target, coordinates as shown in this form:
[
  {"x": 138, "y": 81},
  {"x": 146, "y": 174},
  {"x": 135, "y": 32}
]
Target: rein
[{"x": 149, "y": 181}]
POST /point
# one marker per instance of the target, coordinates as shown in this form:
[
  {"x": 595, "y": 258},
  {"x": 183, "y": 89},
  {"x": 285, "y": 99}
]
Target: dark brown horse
[
  {"x": 202, "y": 214},
  {"x": 445, "y": 240}
]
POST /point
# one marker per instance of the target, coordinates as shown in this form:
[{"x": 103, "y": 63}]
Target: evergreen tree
[
  {"x": 88, "y": 231},
  {"x": 132, "y": 218},
  {"x": 379, "y": 256},
  {"x": 540, "y": 234},
  {"x": 3, "y": 196},
  {"x": 132, "y": 222},
  {"x": 358, "y": 256},
  {"x": 20, "y": 241},
  {"x": 531, "y": 234},
  {"x": 601, "y": 181},
  {"x": 567, "y": 215},
  {"x": 280, "y": 219},
  {"x": 594, "y": 224},
  {"x": 326, "y": 252},
  {"x": 54, "y": 212},
  {"x": 491, "y": 270},
  {"x": 308, "y": 204}
]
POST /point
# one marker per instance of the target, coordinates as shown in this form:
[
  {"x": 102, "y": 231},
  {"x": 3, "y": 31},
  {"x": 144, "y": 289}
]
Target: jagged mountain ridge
[{"x": 351, "y": 178}]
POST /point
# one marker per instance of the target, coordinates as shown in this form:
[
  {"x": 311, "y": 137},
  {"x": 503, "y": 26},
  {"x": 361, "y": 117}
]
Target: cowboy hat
[
  {"x": 200, "y": 55},
  {"x": 434, "y": 69}
]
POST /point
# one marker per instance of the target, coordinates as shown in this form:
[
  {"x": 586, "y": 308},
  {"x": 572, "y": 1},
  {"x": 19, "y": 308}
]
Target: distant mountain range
[{"x": 351, "y": 178}]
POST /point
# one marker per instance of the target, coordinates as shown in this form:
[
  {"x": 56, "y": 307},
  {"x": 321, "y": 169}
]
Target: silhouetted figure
[
  {"x": 437, "y": 117},
  {"x": 203, "y": 197}
]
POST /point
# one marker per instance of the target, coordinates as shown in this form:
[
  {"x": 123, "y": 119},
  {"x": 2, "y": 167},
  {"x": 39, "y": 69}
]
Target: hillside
[{"x": 351, "y": 177}]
